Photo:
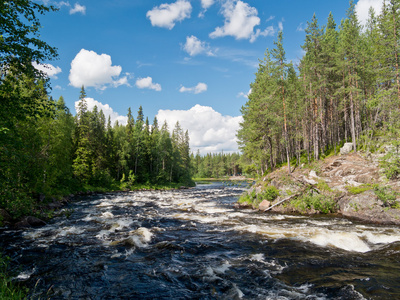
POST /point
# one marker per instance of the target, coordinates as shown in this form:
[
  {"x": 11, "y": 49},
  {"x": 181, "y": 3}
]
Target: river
[{"x": 193, "y": 244}]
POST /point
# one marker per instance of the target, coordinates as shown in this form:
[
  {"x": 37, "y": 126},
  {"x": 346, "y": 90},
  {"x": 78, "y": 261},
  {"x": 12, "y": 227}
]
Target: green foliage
[
  {"x": 347, "y": 87},
  {"x": 253, "y": 198},
  {"x": 270, "y": 193},
  {"x": 323, "y": 186},
  {"x": 386, "y": 195},
  {"x": 319, "y": 202},
  {"x": 355, "y": 190},
  {"x": 391, "y": 168},
  {"x": 9, "y": 290},
  {"x": 217, "y": 165}
]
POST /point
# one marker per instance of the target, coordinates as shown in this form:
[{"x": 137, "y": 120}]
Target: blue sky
[{"x": 190, "y": 61}]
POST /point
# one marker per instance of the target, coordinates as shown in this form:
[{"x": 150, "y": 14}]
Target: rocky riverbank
[{"x": 353, "y": 185}]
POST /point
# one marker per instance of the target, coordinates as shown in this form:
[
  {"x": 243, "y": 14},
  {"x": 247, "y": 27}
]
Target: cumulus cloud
[
  {"x": 77, "y": 9},
  {"x": 205, "y": 4},
  {"x": 199, "y": 88},
  {"x": 194, "y": 46},
  {"x": 147, "y": 83},
  {"x": 166, "y": 15},
  {"x": 48, "y": 69},
  {"x": 91, "y": 69},
  {"x": 107, "y": 110},
  {"x": 240, "y": 20},
  {"x": 209, "y": 131},
  {"x": 363, "y": 6}
]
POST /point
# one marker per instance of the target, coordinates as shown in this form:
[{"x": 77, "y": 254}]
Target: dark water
[{"x": 192, "y": 244}]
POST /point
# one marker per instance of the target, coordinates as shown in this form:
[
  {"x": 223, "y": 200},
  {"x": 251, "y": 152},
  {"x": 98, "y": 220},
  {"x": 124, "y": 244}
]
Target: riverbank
[
  {"x": 50, "y": 206},
  {"x": 352, "y": 185}
]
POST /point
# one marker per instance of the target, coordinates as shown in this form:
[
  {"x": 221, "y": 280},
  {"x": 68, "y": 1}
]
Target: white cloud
[
  {"x": 241, "y": 94},
  {"x": 240, "y": 20},
  {"x": 107, "y": 110},
  {"x": 363, "y": 6},
  {"x": 301, "y": 27},
  {"x": 194, "y": 46},
  {"x": 91, "y": 69},
  {"x": 269, "y": 31},
  {"x": 78, "y": 9},
  {"x": 209, "y": 131},
  {"x": 199, "y": 88},
  {"x": 166, "y": 15},
  {"x": 147, "y": 83},
  {"x": 205, "y": 4},
  {"x": 280, "y": 26},
  {"x": 48, "y": 69}
]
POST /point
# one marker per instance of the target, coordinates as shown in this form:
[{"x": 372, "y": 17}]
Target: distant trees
[
  {"x": 144, "y": 153},
  {"x": 347, "y": 86},
  {"x": 216, "y": 165}
]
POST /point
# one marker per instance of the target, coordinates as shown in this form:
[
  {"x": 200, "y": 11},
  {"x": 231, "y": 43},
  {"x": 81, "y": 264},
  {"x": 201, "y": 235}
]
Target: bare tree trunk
[{"x": 353, "y": 131}]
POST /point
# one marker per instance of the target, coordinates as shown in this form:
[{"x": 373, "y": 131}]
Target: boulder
[
  {"x": 265, "y": 204},
  {"x": 4, "y": 217},
  {"x": 346, "y": 149},
  {"x": 30, "y": 221}
]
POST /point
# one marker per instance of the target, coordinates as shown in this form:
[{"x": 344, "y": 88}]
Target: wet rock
[
  {"x": 5, "y": 217},
  {"x": 346, "y": 149},
  {"x": 30, "y": 221}
]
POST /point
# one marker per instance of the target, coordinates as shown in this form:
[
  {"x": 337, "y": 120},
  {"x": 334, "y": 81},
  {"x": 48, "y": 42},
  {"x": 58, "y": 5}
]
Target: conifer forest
[{"x": 346, "y": 88}]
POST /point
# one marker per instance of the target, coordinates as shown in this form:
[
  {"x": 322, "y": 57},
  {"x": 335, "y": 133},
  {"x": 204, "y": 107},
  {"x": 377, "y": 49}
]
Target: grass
[
  {"x": 355, "y": 190},
  {"x": 9, "y": 290}
]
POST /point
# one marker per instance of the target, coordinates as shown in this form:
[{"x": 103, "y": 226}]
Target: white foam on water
[
  {"x": 348, "y": 241},
  {"x": 201, "y": 218},
  {"x": 144, "y": 233},
  {"x": 107, "y": 215},
  {"x": 102, "y": 234},
  {"x": 105, "y": 204},
  {"x": 222, "y": 268},
  {"x": 70, "y": 231},
  {"x": 378, "y": 238},
  {"x": 258, "y": 257},
  {"x": 124, "y": 223},
  {"x": 26, "y": 274}
]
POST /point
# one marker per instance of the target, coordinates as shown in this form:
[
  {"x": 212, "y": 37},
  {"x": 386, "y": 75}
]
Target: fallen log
[{"x": 280, "y": 202}]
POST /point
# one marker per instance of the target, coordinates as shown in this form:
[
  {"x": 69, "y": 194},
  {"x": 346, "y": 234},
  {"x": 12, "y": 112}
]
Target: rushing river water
[{"x": 193, "y": 244}]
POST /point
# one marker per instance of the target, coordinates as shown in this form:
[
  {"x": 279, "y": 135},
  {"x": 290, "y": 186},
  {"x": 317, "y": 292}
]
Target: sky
[{"x": 190, "y": 61}]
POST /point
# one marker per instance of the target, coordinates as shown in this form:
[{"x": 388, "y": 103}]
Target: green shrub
[
  {"x": 391, "y": 168},
  {"x": 269, "y": 193},
  {"x": 319, "y": 202},
  {"x": 387, "y": 195}
]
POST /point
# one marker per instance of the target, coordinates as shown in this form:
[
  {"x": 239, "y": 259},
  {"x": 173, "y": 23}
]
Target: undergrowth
[
  {"x": 319, "y": 202},
  {"x": 9, "y": 290},
  {"x": 269, "y": 193}
]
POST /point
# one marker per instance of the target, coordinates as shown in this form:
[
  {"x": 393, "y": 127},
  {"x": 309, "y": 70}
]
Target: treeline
[
  {"x": 216, "y": 165},
  {"x": 47, "y": 152},
  {"x": 346, "y": 88}
]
